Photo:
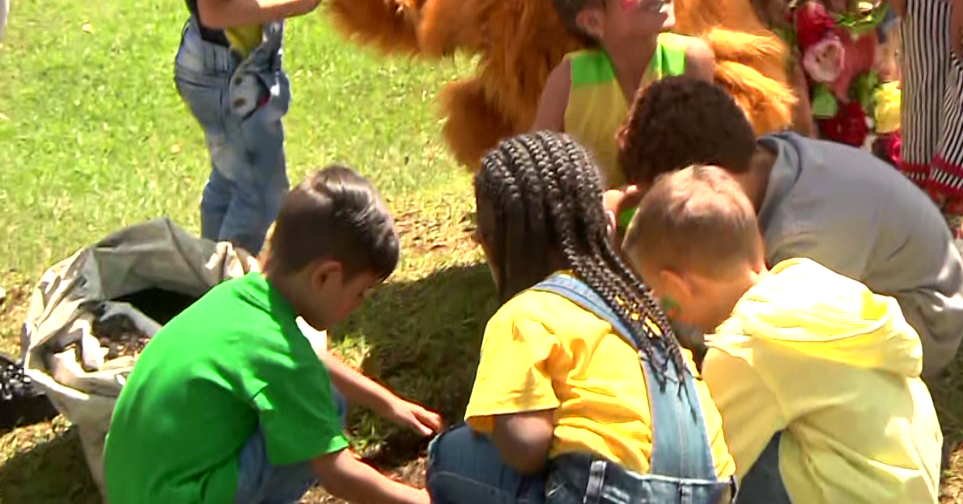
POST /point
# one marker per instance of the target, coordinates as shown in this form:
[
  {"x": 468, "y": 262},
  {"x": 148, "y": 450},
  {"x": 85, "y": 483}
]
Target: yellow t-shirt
[
  {"x": 244, "y": 39},
  {"x": 542, "y": 351},
  {"x": 837, "y": 369}
]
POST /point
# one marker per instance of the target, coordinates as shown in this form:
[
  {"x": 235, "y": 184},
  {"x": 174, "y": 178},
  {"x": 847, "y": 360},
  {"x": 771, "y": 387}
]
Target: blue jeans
[
  {"x": 466, "y": 468},
  {"x": 259, "y": 482},
  {"x": 239, "y": 104}
]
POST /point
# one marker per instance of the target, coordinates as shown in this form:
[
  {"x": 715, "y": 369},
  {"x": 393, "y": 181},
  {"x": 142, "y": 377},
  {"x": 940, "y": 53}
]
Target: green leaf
[
  {"x": 866, "y": 85},
  {"x": 860, "y": 24},
  {"x": 824, "y": 103}
]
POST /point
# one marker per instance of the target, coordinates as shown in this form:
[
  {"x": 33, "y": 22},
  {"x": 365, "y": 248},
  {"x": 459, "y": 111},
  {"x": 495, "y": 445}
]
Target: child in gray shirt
[{"x": 832, "y": 203}]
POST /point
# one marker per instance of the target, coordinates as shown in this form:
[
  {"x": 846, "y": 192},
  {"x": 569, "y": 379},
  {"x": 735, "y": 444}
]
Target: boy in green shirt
[{"x": 230, "y": 404}]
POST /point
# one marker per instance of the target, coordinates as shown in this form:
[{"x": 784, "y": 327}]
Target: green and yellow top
[{"x": 597, "y": 106}]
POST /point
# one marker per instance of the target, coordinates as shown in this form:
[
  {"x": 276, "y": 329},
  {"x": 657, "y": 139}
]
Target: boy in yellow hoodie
[{"x": 817, "y": 378}]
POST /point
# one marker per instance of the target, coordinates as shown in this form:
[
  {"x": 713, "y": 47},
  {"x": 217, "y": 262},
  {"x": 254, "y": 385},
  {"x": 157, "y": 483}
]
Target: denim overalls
[
  {"x": 465, "y": 468},
  {"x": 239, "y": 104}
]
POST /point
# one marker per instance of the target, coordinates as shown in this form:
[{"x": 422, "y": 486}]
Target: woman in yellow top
[
  {"x": 582, "y": 391},
  {"x": 588, "y": 94}
]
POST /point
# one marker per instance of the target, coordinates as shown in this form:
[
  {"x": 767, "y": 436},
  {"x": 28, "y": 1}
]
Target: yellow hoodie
[{"x": 836, "y": 368}]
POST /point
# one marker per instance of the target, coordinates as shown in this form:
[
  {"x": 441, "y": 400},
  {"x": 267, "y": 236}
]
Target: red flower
[
  {"x": 887, "y": 147},
  {"x": 813, "y": 24},
  {"x": 848, "y": 126}
]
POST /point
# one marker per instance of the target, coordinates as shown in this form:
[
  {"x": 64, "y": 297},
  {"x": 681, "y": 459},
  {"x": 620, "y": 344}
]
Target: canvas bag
[{"x": 78, "y": 382}]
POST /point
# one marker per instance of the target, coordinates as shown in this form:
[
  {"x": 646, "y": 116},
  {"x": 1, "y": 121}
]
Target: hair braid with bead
[{"x": 545, "y": 194}]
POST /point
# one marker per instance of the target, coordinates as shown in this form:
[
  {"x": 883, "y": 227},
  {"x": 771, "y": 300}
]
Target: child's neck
[
  {"x": 737, "y": 287},
  {"x": 755, "y": 182},
  {"x": 290, "y": 289},
  {"x": 631, "y": 61}
]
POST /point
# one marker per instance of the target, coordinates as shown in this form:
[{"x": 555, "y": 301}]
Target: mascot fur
[{"x": 518, "y": 42}]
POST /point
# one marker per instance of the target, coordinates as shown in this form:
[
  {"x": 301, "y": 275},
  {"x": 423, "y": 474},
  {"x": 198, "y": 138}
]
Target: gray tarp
[{"x": 66, "y": 361}]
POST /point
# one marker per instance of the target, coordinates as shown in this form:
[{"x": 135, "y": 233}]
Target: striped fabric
[{"x": 932, "y": 113}]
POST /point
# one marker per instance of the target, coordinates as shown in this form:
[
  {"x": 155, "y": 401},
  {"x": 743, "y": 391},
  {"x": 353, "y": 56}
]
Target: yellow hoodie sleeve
[{"x": 751, "y": 415}]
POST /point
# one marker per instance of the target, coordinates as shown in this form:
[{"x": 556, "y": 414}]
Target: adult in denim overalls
[
  {"x": 239, "y": 102},
  {"x": 466, "y": 468}
]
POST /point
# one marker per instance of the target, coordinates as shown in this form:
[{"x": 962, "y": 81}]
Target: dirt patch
[
  {"x": 119, "y": 335},
  {"x": 412, "y": 473},
  {"x": 424, "y": 234},
  {"x": 13, "y": 312}
]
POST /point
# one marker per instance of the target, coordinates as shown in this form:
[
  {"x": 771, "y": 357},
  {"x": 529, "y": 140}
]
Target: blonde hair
[{"x": 697, "y": 219}]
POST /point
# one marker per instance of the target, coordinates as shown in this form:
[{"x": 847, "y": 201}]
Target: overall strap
[{"x": 680, "y": 445}]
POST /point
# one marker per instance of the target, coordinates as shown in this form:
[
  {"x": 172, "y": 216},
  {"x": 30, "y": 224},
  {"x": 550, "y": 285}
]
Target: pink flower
[
  {"x": 813, "y": 24},
  {"x": 824, "y": 61}
]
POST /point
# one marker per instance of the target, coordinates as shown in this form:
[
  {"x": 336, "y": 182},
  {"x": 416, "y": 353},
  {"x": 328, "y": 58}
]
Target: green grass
[{"x": 93, "y": 137}]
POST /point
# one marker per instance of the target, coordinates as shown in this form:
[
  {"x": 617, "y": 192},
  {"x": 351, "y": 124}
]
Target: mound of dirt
[{"x": 119, "y": 335}]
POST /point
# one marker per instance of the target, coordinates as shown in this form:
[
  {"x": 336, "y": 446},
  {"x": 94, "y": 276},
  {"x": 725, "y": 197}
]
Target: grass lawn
[{"x": 93, "y": 137}]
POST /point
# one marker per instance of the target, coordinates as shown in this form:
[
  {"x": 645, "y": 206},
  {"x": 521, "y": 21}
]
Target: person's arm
[
  {"x": 221, "y": 14},
  {"x": 344, "y": 476},
  {"x": 554, "y": 99},
  {"x": 751, "y": 413},
  {"x": 359, "y": 389},
  {"x": 802, "y": 112},
  {"x": 513, "y": 399},
  {"x": 700, "y": 60},
  {"x": 523, "y": 439},
  {"x": 900, "y": 7}
]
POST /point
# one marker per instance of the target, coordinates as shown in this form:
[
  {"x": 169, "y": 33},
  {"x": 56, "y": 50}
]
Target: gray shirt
[{"x": 860, "y": 217}]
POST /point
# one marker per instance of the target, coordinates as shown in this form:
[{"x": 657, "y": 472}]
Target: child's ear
[
  {"x": 675, "y": 285},
  {"x": 324, "y": 272},
  {"x": 591, "y": 21}
]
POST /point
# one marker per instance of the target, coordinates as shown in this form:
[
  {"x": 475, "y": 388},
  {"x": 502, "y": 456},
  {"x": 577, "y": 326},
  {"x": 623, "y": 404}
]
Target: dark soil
[
  {"x": 120, "y": 335},
  {"x": 159, "y": 304}
]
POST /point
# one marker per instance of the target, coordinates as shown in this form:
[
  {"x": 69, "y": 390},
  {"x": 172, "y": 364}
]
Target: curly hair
[
  {"x": 545, "y": 195},
  {"x": 681, "y": 121}
]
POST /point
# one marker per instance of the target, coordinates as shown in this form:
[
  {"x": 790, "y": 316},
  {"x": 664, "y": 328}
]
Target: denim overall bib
[
  {"x": 466, "y": 468},
  {"x": 239, "y": 103},
  {"x": 681, "y": 468}
]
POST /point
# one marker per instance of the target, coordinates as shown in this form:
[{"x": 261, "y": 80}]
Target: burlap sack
[{"x": 61, "y": 355}]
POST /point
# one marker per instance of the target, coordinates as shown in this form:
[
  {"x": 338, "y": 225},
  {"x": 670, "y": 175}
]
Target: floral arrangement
[{"x": 842, "y": 57}]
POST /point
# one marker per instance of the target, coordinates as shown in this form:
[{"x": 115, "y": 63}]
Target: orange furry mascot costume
[{"x": 520, "y": 41}]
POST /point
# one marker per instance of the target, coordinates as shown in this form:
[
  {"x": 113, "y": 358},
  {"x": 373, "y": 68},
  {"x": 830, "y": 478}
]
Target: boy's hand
[
  {"x": 346, "y": 477},
  {"x": 414, "y": 417}
]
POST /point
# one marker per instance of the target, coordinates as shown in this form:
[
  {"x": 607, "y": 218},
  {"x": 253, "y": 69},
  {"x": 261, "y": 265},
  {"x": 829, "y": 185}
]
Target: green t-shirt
[{"x": 233, "y": 361}]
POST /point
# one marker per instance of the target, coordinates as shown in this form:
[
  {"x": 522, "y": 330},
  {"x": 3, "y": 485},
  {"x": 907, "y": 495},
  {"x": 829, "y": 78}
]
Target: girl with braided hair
[{"x": 582, "y": 390}]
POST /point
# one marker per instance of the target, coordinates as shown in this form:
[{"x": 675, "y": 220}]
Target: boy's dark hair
[
  {"x": 546, "y": 198},
  {"x": 335, "y": 214},
  {"x": 682, "y": 121},
  {"x": 568, "y": 11}
]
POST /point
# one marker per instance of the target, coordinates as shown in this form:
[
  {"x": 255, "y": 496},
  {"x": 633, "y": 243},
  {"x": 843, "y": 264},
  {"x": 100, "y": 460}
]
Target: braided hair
[{"x": 544, "y": 191}]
